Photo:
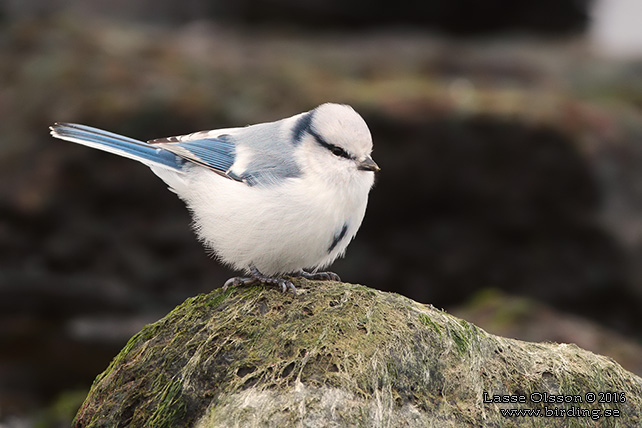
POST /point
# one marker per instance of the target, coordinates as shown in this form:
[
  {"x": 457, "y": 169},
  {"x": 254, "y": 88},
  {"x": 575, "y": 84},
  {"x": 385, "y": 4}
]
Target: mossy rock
[{"x": 344, "y": 355}]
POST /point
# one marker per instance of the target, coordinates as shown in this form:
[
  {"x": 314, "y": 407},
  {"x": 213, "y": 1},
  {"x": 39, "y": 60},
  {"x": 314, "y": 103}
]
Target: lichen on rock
[{"x": 340, "y": 355}]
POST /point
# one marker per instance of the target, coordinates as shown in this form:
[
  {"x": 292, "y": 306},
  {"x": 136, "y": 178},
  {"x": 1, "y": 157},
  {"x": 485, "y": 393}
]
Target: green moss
[
  {"x": 145, "y": 334},
  {"x": 460, "y": 340},
  {"x": 171, "y": 408},
  {"x": 425, "y": 320},
  {"x": 254, "y": 353},
  {"x": 218, "y": 297},
  {"x": 462, "y": 334}
]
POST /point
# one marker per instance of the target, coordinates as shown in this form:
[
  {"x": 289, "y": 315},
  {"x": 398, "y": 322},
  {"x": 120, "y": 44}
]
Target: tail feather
[{"x": 118, "y": 144}]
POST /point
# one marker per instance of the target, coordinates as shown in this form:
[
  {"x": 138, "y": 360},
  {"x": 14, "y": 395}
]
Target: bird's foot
[
  {"x": 257, "y": 277},
  {"x": 318, "y": 276}
]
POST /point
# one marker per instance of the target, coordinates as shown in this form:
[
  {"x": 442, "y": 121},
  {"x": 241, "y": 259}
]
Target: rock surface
[{"x": 339, "y": 354}]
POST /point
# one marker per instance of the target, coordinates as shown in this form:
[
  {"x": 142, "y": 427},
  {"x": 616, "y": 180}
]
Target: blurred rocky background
[{"x": 509, "y": 135}]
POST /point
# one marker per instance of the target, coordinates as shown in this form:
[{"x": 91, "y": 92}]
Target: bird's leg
[
  {"x": 319, "y": 276},
  {"x": 257, "y": 277}
]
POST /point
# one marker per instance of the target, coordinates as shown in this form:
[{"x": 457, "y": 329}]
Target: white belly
[{"x": 278, "y": 229}]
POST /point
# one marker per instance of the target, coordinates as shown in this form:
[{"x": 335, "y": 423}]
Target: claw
[
  {"x": 318, "y": 276},
  {"x": 239, "y": 281},
  {"x": 288, "y": 285},
  {"x": 257, "y": 277}
]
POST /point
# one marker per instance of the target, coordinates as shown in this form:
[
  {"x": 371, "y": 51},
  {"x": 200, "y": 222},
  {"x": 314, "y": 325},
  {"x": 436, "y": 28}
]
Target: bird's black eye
[{"x": 338, "y": 151}]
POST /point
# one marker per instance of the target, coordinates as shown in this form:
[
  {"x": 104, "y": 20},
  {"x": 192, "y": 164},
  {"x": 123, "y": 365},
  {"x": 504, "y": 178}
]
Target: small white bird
[{"x": 270, "y": 199}]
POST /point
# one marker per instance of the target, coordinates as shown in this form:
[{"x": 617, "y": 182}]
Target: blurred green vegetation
[{"x": 206, "y": 75}]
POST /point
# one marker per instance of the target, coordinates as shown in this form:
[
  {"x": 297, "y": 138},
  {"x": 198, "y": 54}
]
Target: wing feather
[{"x": 218, "y": 153}]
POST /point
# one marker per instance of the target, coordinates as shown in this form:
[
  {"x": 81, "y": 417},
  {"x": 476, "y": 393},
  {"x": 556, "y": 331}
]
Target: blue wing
[
  {"x": 265, "y": 165},
  {"x": 216, "y": 153}
]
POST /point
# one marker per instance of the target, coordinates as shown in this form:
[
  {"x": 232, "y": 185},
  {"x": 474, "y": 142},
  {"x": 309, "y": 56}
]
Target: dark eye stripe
[
  {"x": 301, "y": 127},
  {"x": 336, "y": 150}
]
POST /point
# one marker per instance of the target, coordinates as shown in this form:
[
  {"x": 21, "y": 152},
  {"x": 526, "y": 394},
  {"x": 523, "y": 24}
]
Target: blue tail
[{"x": 124, "y": 146}]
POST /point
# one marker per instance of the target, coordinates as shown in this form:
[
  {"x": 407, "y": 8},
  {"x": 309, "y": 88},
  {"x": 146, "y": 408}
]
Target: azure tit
[{"x": 274, "y": 199}]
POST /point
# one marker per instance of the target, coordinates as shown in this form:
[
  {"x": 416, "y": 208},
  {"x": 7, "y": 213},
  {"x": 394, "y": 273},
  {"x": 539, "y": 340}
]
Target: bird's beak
[{"x": 368, "y": 165}]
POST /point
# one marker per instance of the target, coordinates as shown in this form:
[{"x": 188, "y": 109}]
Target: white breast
[{"x": 278, "y": 229}]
